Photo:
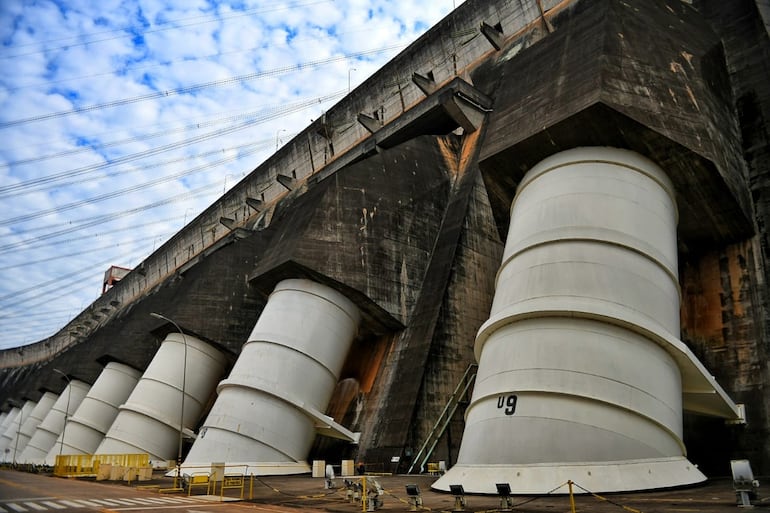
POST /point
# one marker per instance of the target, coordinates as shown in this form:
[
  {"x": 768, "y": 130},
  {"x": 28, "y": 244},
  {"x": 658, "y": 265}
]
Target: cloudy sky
[{"x": 120, "y": 121}]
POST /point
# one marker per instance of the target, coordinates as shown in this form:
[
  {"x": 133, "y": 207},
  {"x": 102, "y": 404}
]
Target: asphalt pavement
[{"x": 22, "y": 492}]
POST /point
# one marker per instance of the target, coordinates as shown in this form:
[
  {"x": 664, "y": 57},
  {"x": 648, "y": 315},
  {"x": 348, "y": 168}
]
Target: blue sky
[{"x": 120, "y": 121}]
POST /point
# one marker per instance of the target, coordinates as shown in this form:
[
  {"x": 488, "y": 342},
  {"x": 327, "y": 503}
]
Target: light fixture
[
  {"x": 181, "y": 414},
  {"x": 415, "y": 497},
  {"x": 66, "y": 409},
  {"x": 459, "y": 492},
  {"x": 504, "y": 491},
  {"x": 743, "y": 482}
]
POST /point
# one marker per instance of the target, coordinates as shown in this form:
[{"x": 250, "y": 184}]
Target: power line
[
  {"x": 56, "y": 282},
  {"x": 129, "y": 28},
  {"x": 113, "y": 230},
  {"x": 127, "y": 190},
  {"x": 267, "y": 115},
  {"x": 182, "y": 90},
  {"x": 272, "y": 72},
  {"x": 93, "y": 221},
  {"x": 89, "y": 251},
  {"x": 136, "y": 138}
]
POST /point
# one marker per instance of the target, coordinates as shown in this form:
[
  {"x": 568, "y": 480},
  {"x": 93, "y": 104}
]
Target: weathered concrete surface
[
  {"x": 650, "y": 79},
  {"x": 407, "y": 214}
]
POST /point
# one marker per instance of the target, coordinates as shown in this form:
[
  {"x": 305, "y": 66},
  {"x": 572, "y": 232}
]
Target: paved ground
[{"x": 21, "y": 492}]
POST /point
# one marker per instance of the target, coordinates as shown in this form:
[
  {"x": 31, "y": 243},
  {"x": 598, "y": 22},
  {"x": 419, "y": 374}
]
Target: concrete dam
[{"x": 533, "y": 246}]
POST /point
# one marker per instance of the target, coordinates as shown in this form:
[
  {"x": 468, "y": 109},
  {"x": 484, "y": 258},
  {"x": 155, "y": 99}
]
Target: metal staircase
[{"x": 426, "y": 450}]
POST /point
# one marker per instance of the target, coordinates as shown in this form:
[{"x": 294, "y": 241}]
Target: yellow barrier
[
  {"x": 232, "y": 481},
  {"x": 199, "y": 479},
  {"x": 87, "y": 465}
]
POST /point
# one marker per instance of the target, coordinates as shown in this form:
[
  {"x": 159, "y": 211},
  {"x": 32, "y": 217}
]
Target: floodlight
[
  {"x": 504, "y": 491},
  {"x": 459, "y": 492},
  {"x": 412, "y": 490},
  {"x": 745, "y": 485},
  {"x": 415, "y": 498}
]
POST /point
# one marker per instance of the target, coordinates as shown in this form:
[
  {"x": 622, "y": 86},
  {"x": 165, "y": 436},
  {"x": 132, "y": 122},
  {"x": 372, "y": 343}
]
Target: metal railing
[{"x": 444, "y": 419}]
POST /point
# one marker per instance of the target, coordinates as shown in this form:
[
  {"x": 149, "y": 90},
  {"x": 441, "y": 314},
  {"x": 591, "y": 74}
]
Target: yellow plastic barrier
[
  {"x": 87, "y": 465},
  {"x": 199, "y": 479}
]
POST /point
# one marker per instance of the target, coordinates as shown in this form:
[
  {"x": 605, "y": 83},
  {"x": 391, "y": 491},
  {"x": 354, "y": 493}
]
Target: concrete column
[
  {"x": 151, "y": 419},
  {"x": 9, "y": 441},
  {"x": 89, "y": 424},
  {"x": 54, "y": 423},
  {"x": 269, "y": 408},
  {"x": 580, "y": 366},
  {"x": 36, "y": 416}
]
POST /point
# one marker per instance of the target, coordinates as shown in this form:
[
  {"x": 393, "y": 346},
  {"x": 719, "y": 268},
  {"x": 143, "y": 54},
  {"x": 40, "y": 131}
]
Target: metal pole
[
  {"x": 184, "y": 379},
  {"x": 349, "y": 70},
  {"x": 66, "y": 410},
  {"x": 18, "y": 432}
]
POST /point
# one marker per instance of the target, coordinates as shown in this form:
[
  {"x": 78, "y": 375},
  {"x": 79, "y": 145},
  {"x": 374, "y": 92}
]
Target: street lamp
[
  {"x": 67, "y": 409},
  {"x": 349, "y": 70},
  {"x": 277, "y": 141},
  {"x": 184, "y": 378},
  {"x": 224, "y": 189},
  {"x": 18, "y": 433}
]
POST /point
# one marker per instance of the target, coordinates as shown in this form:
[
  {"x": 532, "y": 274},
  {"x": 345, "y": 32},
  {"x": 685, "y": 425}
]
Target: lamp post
[
  {"x": 349, "y": 70},
  {"x": 18, "y": 432},
  {"x": 66, "y": 410},
  {"x": 184, "y": 378}
]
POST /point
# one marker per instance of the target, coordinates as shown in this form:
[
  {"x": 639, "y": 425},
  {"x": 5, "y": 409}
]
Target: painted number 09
[{"x": 507, "y": 402}]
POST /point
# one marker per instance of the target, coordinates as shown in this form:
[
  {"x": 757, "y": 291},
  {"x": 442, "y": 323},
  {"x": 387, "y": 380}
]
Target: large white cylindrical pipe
[
  {"x": 41, "y": 448},
  {"x": 264, "y": 415},
  {"x": 151, "y": 419},
  {"x": 10, "y": 420},
  {"x": 31, "y": 453},
  {"x": 9, "y": 442},
  {"x": 36, "y": 416},
  {"x": 89, "y": 424},
  {"x": 576, "y": 379}
]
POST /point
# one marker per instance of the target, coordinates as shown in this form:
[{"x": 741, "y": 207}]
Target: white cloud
[{"x": 60, "y": 58}]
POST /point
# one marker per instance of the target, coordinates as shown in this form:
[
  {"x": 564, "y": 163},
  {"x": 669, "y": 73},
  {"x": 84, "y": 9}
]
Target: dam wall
[{"x": 400, "y": 197}]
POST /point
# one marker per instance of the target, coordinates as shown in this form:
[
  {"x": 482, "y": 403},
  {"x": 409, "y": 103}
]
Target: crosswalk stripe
[
  {"x": 71, "y": 504},
  {"x": 144, "y": 501},
  {"x": 107, "y": 502},
  {"x": 90, "y": 504},
  {"x": 121, "y": 502},
  {"x": 128, "y": 502},
  {"x": 169, "y": 500},
  {"x": 54, "y": 505},
  {"x": 44, "y": 505}
]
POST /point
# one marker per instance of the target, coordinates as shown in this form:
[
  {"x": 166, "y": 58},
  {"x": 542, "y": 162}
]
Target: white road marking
[
  {"x": 71, "y": 504},
  {"x": 54, "y": 505}
]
